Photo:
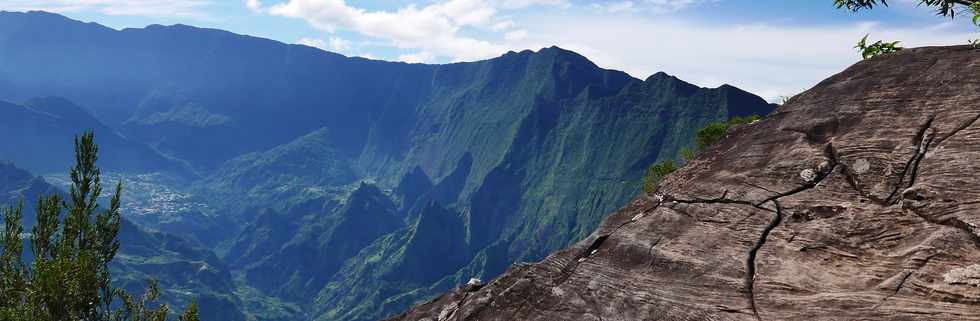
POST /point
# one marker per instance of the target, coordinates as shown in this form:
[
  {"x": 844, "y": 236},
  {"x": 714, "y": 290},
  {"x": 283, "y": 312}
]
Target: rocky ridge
[{"x": 858, "y": 199}]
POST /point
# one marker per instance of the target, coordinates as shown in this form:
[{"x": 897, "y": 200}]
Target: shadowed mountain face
[
  {"x": 18, "y": 185},
  {"x": 42, "y": 131},
  {"x": 354, "y": 188},
  {"x": 855, "y": 200}
]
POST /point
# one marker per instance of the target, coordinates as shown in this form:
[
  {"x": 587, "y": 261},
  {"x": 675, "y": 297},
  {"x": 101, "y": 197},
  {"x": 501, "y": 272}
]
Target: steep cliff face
[{"x": 855, "y": 200}]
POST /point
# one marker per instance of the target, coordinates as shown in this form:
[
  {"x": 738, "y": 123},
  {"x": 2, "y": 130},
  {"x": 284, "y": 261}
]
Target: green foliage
[
  {"x": 975, "y": 8},
  {"x": 688, "y": 154},
  {"x": 945, "y": 8},
  {"x": 739, "y": 120},
  {"x": 855, "y": 5},
  {"x": 656, "y": 173},
  {"x": 69, "y": 278},
  {"x": 876, "y": 49},
  {"x": 706, "y": 136},
  {"x": 191, "y": 314},
  {"x": 714, "y": 132},
  {"x": 711, "y": 134},
  {"x": 144, "y": 307},
  {"x": 12, "y": 270}
]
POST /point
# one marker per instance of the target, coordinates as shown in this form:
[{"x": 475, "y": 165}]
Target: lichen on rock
[{"x": 969, "y": 275}]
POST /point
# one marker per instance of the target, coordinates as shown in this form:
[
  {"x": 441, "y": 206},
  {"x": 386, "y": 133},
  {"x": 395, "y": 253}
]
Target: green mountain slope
[
  {"x": 470, "y": 167},
  {"x": 295, "y": 168},
  {"x": 325, "y": 240},
  {"x": 525, "y": 174}
]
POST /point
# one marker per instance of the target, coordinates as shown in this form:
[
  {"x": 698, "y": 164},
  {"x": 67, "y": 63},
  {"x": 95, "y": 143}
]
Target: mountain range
[{"x": 311, "y": 186}]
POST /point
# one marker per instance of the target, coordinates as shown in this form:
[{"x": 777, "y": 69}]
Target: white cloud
[
  {"x": 769, "y": 60},
  {"x": 420, "y": 57},
  {"x": 147, "y": 8},
  {"x": 520, "y": 4},
  {"x": 614, "y": 7},
  {"x": 254, "y": 5},
  {"x": 434, "y": 29},
  {"x": 671, "y": 5},
  {"x": 313, "y": 42},
  {"x": 503, "y": 25},
  {"x": 646, "y": 6},
  {"x": 766, "y": 59},
  {"x": 516, "y": 35},
  {"x": 340, "y": 44},
  {"x": 336, "y": 44}
]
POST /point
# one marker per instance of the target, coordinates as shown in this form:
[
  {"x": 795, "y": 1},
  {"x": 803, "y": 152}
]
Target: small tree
[
  {"x": 69, "y": 279},
  {"x": 656, "y": 173}
]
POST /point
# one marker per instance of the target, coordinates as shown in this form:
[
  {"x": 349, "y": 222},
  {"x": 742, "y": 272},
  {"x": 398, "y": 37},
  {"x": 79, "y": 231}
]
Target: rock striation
[{"x": 858, "y": 199}]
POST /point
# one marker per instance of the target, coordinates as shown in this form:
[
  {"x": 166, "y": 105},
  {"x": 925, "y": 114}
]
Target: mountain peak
[
  {"x": 659, "y": 76},
  {"x": 33, "y": 14},
  {"x": 786, "y": 212},
  {"x": 12, "y": 21},
  {"x": 565, "y": 54}
]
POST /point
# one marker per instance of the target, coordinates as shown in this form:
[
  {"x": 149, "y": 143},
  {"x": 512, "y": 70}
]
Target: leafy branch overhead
[{"x": 945, "y": 8}]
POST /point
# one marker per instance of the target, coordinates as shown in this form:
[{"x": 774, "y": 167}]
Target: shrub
[
  {"x": 656, "y": 173},
  {"x": 711, "y": 134},
  {"x": 714, "y": 132},
  {"x": 707, "y": 136},
  {"x": 688, "y": 154}
]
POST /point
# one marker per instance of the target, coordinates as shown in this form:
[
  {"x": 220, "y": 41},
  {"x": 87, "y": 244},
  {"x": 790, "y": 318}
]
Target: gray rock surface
[{"x": 858, "y": 199}]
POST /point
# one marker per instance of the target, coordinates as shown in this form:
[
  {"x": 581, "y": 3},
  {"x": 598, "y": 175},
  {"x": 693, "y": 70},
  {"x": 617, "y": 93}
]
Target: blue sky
[{"x": 771, "y": 48}]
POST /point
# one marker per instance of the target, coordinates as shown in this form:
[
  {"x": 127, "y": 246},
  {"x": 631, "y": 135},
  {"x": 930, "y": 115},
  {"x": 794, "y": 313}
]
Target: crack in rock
[
  {"x": 819, "y": 176},
  {"x": 650, "y": 252},
  {"x": 953, "y": 222},
  {"x": 918, "y": 264},
  {"x": 958, "y": 129},
  {"x": 753, "y": 255},
  {"x": 921, "y": 146}
]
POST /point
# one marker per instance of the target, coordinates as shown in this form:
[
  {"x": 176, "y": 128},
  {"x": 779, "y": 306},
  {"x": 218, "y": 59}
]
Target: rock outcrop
[{"x": 858, "y": 199}]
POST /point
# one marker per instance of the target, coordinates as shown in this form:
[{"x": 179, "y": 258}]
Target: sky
[{"x": 771, "y": 48}]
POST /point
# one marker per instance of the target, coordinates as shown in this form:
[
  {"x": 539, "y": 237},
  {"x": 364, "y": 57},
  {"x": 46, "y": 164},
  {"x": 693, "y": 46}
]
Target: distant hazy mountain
[
  {"x": 38, "y": 135},
  {"x": 469, "y": 167}
]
